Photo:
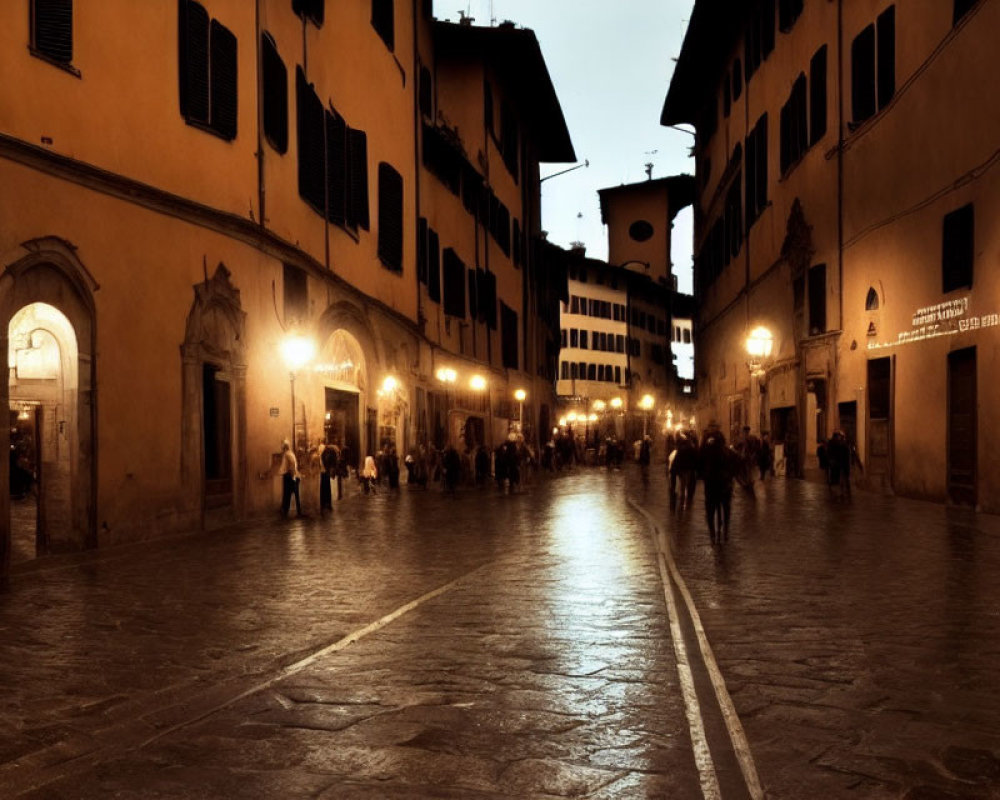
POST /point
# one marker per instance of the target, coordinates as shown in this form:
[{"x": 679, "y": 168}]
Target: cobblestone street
[{"x": 488, "y": 645}]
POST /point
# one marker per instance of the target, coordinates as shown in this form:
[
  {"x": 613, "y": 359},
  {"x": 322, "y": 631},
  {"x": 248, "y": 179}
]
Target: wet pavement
[{"x": 488, "y": 645}]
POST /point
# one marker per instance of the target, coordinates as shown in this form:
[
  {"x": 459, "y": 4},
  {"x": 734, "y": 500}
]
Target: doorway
[
  {"x": 42, "y": 358},
  {"x": 341, "y": 423},
  {"x": 218, "y": 438},
  {"x": 962, "y": 450},
  {"x": 879, "y": 467}
]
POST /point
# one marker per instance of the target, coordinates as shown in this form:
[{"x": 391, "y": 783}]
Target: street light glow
[
  {"x": 446, "y": 375},
  {"x": 616, "y": 402},
  {"x": 599, "y": 405},
  {"x": 760, "y": 342},
  {"x": 296, "y": 350},
  {"x": 519, "y": 395},
  {"x": 647, "y": 402},
  {"x": 389, "y": 384},
  {"x": 571, "y": 416},
  {"x": 477, "y": 382}
]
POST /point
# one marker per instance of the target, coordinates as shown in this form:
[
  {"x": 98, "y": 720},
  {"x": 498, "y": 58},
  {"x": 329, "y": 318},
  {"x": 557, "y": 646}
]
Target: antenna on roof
[{"x": 649, "y": 164}]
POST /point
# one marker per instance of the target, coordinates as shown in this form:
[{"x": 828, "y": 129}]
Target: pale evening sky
[{"x": 610, "y": 64}]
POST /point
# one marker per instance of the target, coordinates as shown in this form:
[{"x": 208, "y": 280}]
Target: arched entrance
[
  {"x": 342, "y": 370},
  {"x": 47, "y": 319},
  {"x": 43, "y": 379}
]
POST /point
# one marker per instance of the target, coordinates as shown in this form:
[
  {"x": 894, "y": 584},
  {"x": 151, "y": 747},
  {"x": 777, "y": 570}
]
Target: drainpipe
[{"x": 260, "y": 119}]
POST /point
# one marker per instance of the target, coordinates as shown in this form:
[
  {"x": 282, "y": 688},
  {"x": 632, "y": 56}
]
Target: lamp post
[
  {"x": 520, "y": 395},
  {"x": 296, "y": 350},
  {"x": 478, "y": 384},
  {"x": 646, "y": 404},
  {"x": 759, "y": 344}
]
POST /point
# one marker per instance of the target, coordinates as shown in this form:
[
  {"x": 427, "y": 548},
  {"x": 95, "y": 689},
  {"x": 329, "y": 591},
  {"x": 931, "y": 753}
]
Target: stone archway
[
  {"x": 214, "y": 363},
  {"x": 47, "y": 320}
]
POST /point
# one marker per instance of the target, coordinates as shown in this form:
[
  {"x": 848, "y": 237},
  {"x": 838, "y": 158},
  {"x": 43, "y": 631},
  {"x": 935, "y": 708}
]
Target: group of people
[
  {"x": 330, "y": 460},
  {"x": 836, "y": 457}
]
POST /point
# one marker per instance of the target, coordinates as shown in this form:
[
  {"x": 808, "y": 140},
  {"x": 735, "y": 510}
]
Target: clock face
[{"x": 640, "y": 230}]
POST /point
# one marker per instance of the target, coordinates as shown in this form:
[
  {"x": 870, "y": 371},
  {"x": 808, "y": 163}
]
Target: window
[
  {"x": 618, "y": 375},
  {"x": 574, "y": 337},
  {"x": 422, "y": 250},
  {"x": 52, "y": 30},
  {"x": 794, "y": 136},
  {"x": 563, "y": 337},
  {"x": 958, "y": 248},
  {"x": 390, "y": 218},
  {"x": 788, "y": 13},
  {"x": 310, "y": 131},
  {"x": 759, "y": 36},
  {"x": 207, "y": 67},
  {"x": 509, "y": 336},
  {"x": 873, "y": 67},
  {"x": 454, "y": 283},
  {"x": 687, "y": 336},
  {"x": 817, "y": 96},
  {"x": 311, "y": 10},
  {"x": 871, "y": 301},
  {"x": 619, "y": 343},
  {"x": 564, "y": 370},
  {"x": 274, "y": 78},
  {"x": 817, "y": 299},
  {"x": 384, "y": 21},
  {"x": 474, "y": 278},
  {"x": 433, "y": 266},
  {"x": 756, "y": 171},
  {"x": 583, "y": 340},
  {"x": 296, "y": 297},
  {"x": 591, "y": 372}
]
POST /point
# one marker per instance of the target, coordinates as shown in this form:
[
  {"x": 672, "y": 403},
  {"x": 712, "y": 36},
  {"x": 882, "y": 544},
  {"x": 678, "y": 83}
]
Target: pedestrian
[
  {"x": 512, "y": 457},
  {"x": 683, "y": 472},
  {"x": 452, "y": 468},
  {"x": 764, "y": 458},
  {"x": 718, "y": 464},
  {"x": 392, "y": 467},
  {"x": 289, "y": 480},
  {"x": 328, "y": 470},
  {"x": 838, "y": 454},
  {"x": 369, "y": 475},
  {"x": 645, "y": 455}
]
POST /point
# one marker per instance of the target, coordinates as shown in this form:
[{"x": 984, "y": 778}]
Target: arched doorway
[
  {"x": 47, "y": 316},
  {"x": 42, "y": 358},
  {"x": 342, "y": 371}
]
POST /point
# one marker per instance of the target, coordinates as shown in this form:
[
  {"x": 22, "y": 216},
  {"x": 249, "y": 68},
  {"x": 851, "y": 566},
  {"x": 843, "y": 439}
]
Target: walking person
[
  {"x": 683, "y": 471},
  {"x": 718, "y": 467},
  {"x": 289, "y": 481},
  {"x": 838, "y": 454},
  {"x": 452, "y": 466},
  {"x": 392, "y": 467},
  {"x": 765, "y": 462},
  {"x": 369, "y": 475},
  {"x": 328, "y": 470}
]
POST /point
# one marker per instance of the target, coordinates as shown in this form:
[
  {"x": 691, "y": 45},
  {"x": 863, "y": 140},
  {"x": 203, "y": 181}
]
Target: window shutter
[
  {"x": 193, "y": 60},
  {"x": 383, "y": 20},
  {"x": 224, "y": 80},
  {"x": 357, "y": 207},
  {"x": 275, "y": 79},
  {"x": 390, "y": 217},
  {"x": 336, "y": 168},
  {"x": 474, "y": 307},
  {"x": 761, "y": 163},
  {"x": 863, "y": 75},
  {"x": 454, "y": 284},
  {"x": 958, "y": 248},
  {"x": 817, "y": 96},
  {"x": 488, "y": 303},
  {"x": 309, "y": 9},
  {"x": 433, "y": 266},
  {"x": 53, "y": 29},
  {"x": 422, "y": 250},
  {"x": 886, "y": 26},
  {"x": 509, "y": 336},
  {"x": 312, "y": 166}
]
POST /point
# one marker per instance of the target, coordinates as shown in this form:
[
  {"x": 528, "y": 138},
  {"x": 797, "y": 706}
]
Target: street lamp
[
  {"x": 616, "y": 403},
  {"x": 296, "y": 350},
  {"x": 478, "y": 384},
  {"x": 519, "y": 395},
  {"x": 759, "y": 345},
  {"x": 646, "y": 404}
]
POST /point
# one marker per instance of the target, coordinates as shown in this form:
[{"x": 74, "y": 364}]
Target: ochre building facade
[
  {"x": 847, "y": 201},
  {"x": 224, "y": 224}
]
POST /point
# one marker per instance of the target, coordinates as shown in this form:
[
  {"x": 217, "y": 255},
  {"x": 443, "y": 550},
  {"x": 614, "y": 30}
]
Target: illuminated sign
[{"x": 941, "y": 319}]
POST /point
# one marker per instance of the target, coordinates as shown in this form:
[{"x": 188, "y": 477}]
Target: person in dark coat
[
  {"x": 765, "y": 460},
  {"x": 392, "y": 467},
  {"x": 452, "y": 467},
  {"x": 718, "y": 467},
  {"x": 328, "y": 458},
  {"x": 683, "y": 471},
  {"x": 838, "y": 456}
]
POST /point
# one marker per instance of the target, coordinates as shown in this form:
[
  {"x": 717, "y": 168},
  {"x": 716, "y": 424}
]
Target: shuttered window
[
  {"x": 312, "y": 10},
  {"x": 453, "y": 272},
  {"x": 817, "y": 96},
  {"x": 390, "y": 217},
  {"x": 755, "y": 171},
  {"x": 873, "y": 67},
  {"x": 52, "y": 29},
  {"x": 311, "y": 144},
  {"x": 384, "y": 21},
  {"x": 336, "y": 168},
  {"x": 474, "y": 280},
  {"x": 433, "y": 266},
  {"x": 509, "y": 336},
  {"x": 275, "y": 80},
  {"x": 207, "y": 61},
  {"x": 488, "y": 299},
  {"x": 794, "y": 135},
  {"x": 357, "y": 173},
  {"x": 958, "y": 249},
  {"x": 422, "y": 250}
]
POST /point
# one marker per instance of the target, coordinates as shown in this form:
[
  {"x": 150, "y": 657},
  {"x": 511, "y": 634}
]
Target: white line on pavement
[{"x": 734, "y": 727}]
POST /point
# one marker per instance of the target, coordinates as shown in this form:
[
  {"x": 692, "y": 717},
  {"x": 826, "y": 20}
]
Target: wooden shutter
[
  {"x": 52, "y": 23},
  {"x": 958, "y": 248},
  {"x": 433, "y": 266},
  {"x": 817, "y": 96},
  {"x": 223, "y": 80},
  {"x": 863, "y": 75},
  {"x": 390, "y": 217},
  {"x": 192, "y": 59},
  {"x": 509, "y": 336},
  {"x": 453, "y": 273},
  {"x": 357, "y": 157},
  {"x": 422, "y": 250},
  {"x": 336, "y": 168},
  {"x": 384, "y": 22},
  {"x": 275, "y": 79},
  {"x": 312, "y": 162}
]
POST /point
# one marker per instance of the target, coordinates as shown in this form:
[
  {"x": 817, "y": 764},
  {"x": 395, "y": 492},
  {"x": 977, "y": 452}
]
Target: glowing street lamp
[
  {"x": 296, "y": 351},
  {"x": 646, "y": 404},
  {"x": 759, "y": 345},
  {"x": 599, "y": 405},
  {"x": 616, "y": 403},
  {"x": 477, "y": 382},
  {"x": 520, "y": 395}
]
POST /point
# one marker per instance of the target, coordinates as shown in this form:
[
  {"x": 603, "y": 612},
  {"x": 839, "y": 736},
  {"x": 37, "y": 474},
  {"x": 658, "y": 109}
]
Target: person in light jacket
[
  {"x": 289, "y": 480},
  {"x": 369, "y": 474}
]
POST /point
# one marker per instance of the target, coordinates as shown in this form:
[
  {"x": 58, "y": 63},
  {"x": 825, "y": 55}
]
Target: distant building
[
  {"x": 617, "y": 323},
  {"x": 847, "y": 198}
]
